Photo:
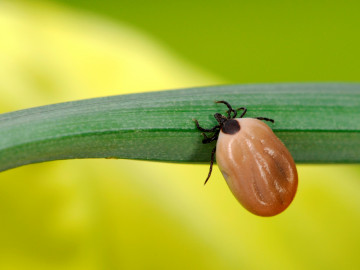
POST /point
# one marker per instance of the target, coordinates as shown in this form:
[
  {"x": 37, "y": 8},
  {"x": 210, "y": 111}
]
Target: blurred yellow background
[{"x": 121, "y": 214}]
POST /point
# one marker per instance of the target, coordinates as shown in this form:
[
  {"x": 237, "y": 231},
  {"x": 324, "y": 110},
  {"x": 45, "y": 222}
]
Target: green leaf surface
[{"x": 319, "y": 123}]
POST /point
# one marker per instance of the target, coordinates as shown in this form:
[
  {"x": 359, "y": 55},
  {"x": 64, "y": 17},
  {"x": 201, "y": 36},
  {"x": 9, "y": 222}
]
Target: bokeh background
[{"x": 121, "y": 214}]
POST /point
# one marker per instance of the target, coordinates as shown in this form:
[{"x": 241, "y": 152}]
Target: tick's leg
[
  {"x": 266, "y": 119},
  {"x": 229, "y": 107},
  {"x": 229, "y": 116},
  {"x": 244, "y": 111},
  {"x": 211, "y": 164},
  {"x": 226, "y": 103},
  {"x": 210, "y": 139},
  {"x": 205, "y": 129}
]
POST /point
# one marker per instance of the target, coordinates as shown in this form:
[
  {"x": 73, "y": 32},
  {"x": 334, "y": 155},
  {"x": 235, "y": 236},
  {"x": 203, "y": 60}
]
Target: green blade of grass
[{"x": 319, "y": 123}]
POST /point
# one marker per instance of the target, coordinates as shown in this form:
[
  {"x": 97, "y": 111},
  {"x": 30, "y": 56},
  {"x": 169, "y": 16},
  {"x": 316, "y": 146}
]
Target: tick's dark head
[
  {"x": 227, "y": 125},
  {"x": 231, "y": 126},
  {"x": 220, "y": 118}
]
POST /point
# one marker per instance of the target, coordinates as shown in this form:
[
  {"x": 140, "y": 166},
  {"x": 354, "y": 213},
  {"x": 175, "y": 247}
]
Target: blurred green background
[{"x": 121, "y": 214}]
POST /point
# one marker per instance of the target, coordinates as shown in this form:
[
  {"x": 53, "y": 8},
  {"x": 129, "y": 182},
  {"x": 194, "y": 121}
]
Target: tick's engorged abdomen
[{"x": 257, "y": 167}]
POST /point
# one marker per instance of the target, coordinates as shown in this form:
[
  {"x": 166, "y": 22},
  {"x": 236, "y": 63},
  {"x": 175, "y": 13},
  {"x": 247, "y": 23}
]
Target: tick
[{"x": 256, "y": 165}]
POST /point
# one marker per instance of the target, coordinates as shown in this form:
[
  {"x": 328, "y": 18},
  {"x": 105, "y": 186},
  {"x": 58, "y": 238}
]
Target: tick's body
[{"x": 256, "y": 165}]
